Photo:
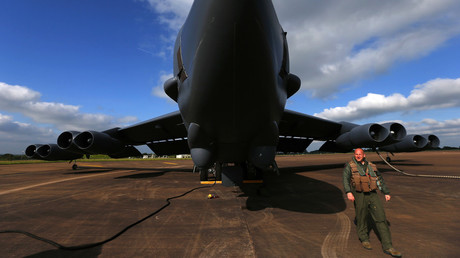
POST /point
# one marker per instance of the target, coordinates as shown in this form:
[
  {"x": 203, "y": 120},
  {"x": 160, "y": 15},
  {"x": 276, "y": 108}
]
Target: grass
[{"x": 33, "y": 161}]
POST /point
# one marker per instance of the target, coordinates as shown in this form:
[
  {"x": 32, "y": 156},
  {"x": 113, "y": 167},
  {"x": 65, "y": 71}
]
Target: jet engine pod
[
  {"x": 98, "y": 143},
  {"x": 397, "y": 133},
  {"x": 31, "y": 151},
  {"x": 412, "y": 142},
  {"x": 433, "y": 141},
  {"x": 368, "y": 135},
  {"x": 53, "y": 152},
  {"x": 65, "y": 141}
]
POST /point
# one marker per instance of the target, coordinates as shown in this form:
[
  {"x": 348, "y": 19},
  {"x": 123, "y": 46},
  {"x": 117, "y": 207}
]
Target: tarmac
[{"x": 302, "y": 212}]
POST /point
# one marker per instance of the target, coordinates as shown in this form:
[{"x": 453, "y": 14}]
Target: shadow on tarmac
[
  {"x": 293, "y": 192},
  {"x": 54, "y": 253}
]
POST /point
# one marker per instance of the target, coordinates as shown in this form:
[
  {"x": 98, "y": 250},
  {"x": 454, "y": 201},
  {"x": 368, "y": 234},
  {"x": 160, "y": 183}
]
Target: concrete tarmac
[{"x": 302, "y": 212}]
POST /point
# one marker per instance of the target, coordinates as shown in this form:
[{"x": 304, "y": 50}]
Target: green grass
[{"x": 95, "y": 159}]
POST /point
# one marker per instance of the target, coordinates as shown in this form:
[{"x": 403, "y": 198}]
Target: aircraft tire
[{"x": 203, "y": 174}]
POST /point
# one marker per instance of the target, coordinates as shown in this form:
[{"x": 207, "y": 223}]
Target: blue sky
[{"x": 99, "y": 64}]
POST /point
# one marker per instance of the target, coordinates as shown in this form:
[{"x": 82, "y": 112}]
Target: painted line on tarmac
[{"x": 58, "y": 181}]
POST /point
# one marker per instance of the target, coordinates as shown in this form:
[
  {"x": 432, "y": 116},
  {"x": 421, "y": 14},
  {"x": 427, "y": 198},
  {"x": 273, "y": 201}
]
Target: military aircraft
[{"x": 231, "y": 82}]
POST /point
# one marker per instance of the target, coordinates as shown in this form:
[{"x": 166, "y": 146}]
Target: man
[{"x": 361, "y": 179}]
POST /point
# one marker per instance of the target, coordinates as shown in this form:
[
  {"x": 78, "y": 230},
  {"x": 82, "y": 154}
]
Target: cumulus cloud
[
  {"x": 15, "y": 136},
  {"x": 21, "y": 99},
  {"x": 171, "y": 12},
  {"x": 446, "y": 130},
  {"x": 334, "y": 43},
  {"x": 158, "y": 90},
  {"x": 434, "y": 94}
]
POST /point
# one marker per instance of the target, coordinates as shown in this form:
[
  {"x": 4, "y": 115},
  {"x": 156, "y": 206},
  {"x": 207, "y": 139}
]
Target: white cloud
[
  {"x": 333, "y": 43},
  {"x": 447, "y": 130},
  {"x": 20, "y": 99},
  {"x": 16, "y": 136},
  {"x": 158, "y": 91},
  {"x": 171, "y": 12},
  {"x": 435, "y": 94}
]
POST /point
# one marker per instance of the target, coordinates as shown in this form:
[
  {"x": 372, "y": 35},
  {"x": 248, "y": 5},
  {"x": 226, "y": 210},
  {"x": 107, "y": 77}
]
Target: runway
[{"x": 300, "y": 213}]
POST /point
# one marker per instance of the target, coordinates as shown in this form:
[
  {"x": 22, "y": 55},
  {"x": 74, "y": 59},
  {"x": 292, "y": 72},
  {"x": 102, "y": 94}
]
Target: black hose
[{"x": 86, "y": 246}]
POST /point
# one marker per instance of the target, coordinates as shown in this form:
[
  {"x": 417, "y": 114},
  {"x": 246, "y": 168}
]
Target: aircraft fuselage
[{"x": 231, "y": 70}]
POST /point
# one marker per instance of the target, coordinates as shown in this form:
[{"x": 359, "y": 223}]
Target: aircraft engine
[
  {"x": 31, "y": 151},
  {"x": 397, "y": 133},
  {"x": 412, "y": 142},
  {"x": 98, "y": 143},
  {"x": 368, "y": 135},
  {"x": 433, "y": 141},
  {"x": 53, "y": 152},
  {"x": 65, "y": 141},
  {"x": 356, "y": 136}
]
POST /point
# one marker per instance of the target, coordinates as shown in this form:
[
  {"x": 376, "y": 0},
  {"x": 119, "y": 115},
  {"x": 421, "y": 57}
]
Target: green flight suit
[{"x": 368, "y": 204}]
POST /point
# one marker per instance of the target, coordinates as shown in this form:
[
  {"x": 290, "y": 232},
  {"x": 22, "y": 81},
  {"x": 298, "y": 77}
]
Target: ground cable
[
  {"x": 415, "y": 175},
  {"x": 86, "y": 246}
]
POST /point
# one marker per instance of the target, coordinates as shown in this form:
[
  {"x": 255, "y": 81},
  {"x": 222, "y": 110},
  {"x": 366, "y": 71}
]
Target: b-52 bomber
[{"x": 231, "y": 82}]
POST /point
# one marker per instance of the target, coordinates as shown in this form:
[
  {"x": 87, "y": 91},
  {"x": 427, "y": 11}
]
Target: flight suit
[{"x": 368, "y": 203}]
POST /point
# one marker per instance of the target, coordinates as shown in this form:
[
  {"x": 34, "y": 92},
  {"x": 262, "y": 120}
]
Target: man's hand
[
  {"x": 387, "y": 197},
  {"x": 350, "y": 196}
]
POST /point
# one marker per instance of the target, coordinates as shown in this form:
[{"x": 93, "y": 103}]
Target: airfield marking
[
  {"x": 58, "y": 181},
  {"x": 170, "y": 163}
]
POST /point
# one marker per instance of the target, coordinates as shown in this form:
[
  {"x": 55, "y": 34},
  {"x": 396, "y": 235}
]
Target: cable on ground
[
  {"x": 86, "y": 246},
  {"x": 415, "y": 175}
]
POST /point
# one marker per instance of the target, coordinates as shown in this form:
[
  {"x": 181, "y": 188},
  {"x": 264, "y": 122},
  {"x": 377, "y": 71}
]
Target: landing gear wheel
[
  {"x": 74, "y": 166},
  {"x": 388, "y": 159},
  {"x": 203, "y": 174},
  {"x": 218, "y": 169}
]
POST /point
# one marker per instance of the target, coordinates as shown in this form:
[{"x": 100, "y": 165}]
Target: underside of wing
[
  {"x": 298, "y": 130},
  {"x": 165, "y": 135}
]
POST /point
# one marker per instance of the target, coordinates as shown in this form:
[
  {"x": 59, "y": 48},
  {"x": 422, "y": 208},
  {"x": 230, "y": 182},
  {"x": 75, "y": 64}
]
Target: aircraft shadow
[
  {"x": 293, "y": 192},
  {"x": 153, "y": 171},
  {"x": 58, "y": 253}
]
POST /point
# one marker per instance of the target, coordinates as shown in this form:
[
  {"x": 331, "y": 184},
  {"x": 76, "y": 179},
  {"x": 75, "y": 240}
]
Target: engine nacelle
[
  {"x": 98, "y": 143},
  {"x": 433, "y": 141},
  {"x": 66, "y": 139},
  {"x": 31, "y": 151},
  {"x": 410, "y": 143},
  {"x": 356, "y": 136},
  {"x": 368, "y": 135},
  {"x": 53, "y": 152},
  {"x": 397, "y": 133}
]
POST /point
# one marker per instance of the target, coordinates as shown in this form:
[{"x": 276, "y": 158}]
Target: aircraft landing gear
[
  {"x": 74, "y": 166},
  {"x": 213, "y": 173}
]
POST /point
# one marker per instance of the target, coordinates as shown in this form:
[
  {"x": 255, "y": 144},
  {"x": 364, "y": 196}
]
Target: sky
[{"x": 99, "y": 64}]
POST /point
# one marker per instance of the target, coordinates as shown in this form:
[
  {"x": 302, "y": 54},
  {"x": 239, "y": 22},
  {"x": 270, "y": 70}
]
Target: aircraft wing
[
  {"x": 169, "y": 126},
  {"x": 298, "y": 130},
  {"x": 165, "y": 135},
  {"x": 302, "y": 125}
]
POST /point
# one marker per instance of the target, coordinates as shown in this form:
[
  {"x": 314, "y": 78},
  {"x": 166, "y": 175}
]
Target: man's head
[{"x": 359, "y": 155}]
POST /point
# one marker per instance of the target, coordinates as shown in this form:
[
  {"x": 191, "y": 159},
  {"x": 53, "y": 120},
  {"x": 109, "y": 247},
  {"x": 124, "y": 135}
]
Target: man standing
[{"x": 361, "y": 179}]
